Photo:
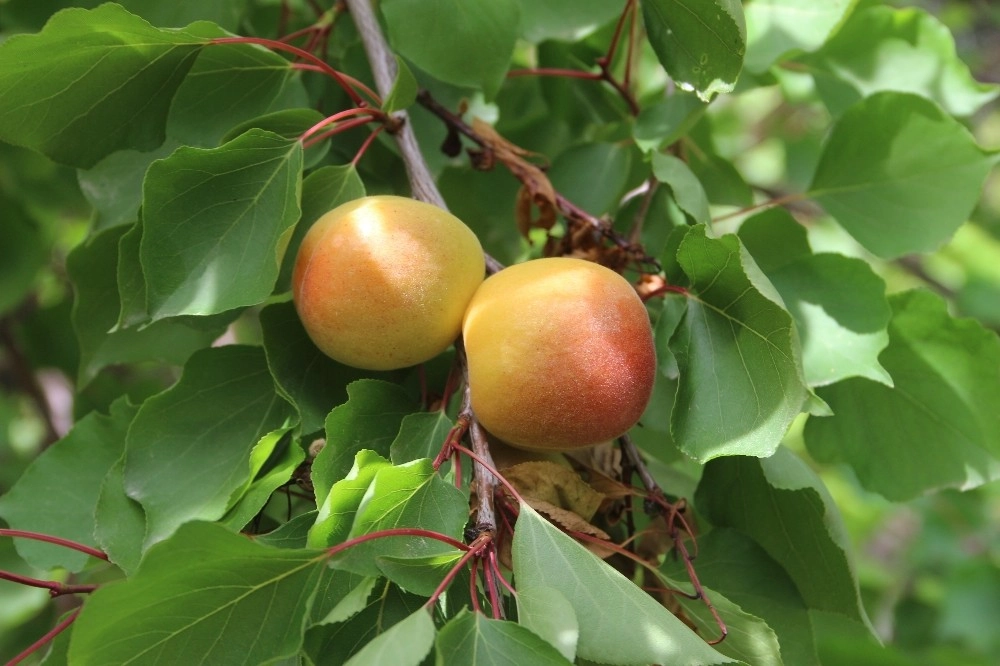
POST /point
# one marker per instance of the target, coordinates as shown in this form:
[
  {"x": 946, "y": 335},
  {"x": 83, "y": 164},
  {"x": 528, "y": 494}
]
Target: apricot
[
  {"x": 382, "y": 282},
  {"x": 560, "y": 354}
]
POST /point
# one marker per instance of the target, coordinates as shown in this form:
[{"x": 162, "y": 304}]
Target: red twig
[
  {"x": 49, "y": 635},
  {"x": 554, "y": 71},
  {"x": 55, "y": 588},
  {"x": 398, "y": 531},
  {"x": 491, "y": 470},
  {"x": 83, "y": 548},
  {"x": 336, "y": 118},
  {"x": 342, "y": 127},
  {"x": 364, "y": 146}
]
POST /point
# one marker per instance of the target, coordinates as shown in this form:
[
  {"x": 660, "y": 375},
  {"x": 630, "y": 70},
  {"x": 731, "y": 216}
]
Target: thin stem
[
  {"x": 398, "y": 531},
  {"x": 27, "y": 381},
  {"x": 305, "y": 55},
  {"x": 55, "y": 588},
  {"x": 474, "y": 549},
  {"x": 93, "y": 552},
  {"x": 342, "y": 127},
  {"x": 335, "y": 118},
  {"x": 364, "y": 146},
  {"x": 489, "y": 467},
  {"x": 554, "y": 71},
  {"x": 49, "y": 635}
]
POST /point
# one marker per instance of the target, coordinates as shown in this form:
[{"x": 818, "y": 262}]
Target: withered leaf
[{"x": 558, "y": 485}]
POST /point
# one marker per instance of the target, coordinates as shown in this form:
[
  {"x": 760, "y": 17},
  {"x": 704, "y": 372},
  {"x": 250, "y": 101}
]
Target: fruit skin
[
  {"x": 560, "y": 354},
  {"x": 382, "y": 282}
]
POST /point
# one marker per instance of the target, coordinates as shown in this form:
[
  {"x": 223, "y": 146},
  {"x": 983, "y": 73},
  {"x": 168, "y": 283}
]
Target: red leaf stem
[{"x": 83, "y": 548}]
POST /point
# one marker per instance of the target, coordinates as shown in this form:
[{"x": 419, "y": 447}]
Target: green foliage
[{"x": 797, "y": 186}]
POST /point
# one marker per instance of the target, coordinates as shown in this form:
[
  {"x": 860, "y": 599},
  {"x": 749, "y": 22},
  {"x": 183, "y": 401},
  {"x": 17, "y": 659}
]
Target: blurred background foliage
[{"x": 929, "y": 568}]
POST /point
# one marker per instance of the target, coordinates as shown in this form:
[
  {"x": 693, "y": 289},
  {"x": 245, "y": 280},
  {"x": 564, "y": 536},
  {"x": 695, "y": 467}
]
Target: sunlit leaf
[
  {"x": 406, "y": 643},
  {"x": 777, "y": 27},
  {"x": 472, "y": 639}
]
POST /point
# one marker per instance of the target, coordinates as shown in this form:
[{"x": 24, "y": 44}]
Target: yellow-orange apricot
[
  {"x": 560, "y": 354},
  {"x": 382, "y": 282}
]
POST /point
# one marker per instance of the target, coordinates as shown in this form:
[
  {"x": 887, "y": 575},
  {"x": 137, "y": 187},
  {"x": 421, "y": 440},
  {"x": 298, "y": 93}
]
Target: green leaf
[
  {"x": 113, "y": 186},
  {"x": 406, "y": 643},
  {"x": 779, "y": 27},
  {"x": 838, "y": 303},
  {"x": 906, "y": 50},
  {"x": 740, "y": 379},
  {"x": 404, "y": 89},
  {"x": 736, "y": 566},
  {"x": 336, "y": 512},
  {"x": 189, "y": 447},
  {"x": 322, "y": 190},
  {"x": 228, "y": 85},
  {"x": 119, "y": 521},
  {"x": 23, "y": 253},
  {"x": 687, "y": 190},
  {"x": 723, "y": 183},
  {"x": 662, "y": 123},
  {"x": 472, "y": 639},
  {"x": 566, "y": 20},
  {"x": 639, "y": 630},
  {"x": 291, "y": 534},
  {"x": 548, "y": 614},
  {"x": 939, "y": 426},
  {"x": 92, "y": 269},
  {"x": 700, "y": 44},
  {"x": 340, "y": 595},
  {"x": 224, "y": 13},
  {"x": 421, "y": 435},
  {"x": 212, "y": 219},
  {"x": 466, "y": 43},
  {"x": 368, "y": 420},
  {"x": 313, "y": 382},
  {"x": 251, "y": 499},
  {"x": 782, "y": 505},
  {"x": 592, "y": 175},
  {"x": 58, "y": 493},
  {"x": 332, "y": 645},
  {"x": 899, "y": 174},
  {"x": 419, "y": 575},
  {"x": 205, "y": 593},
  {"x": 410, "y": 495},
  {"x": 485, "y": 202},
  {"x": 93, "y": 82}
]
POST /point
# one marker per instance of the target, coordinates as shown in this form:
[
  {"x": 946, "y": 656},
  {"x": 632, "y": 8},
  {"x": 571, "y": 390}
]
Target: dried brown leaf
[{"x": 558, "y": 485}]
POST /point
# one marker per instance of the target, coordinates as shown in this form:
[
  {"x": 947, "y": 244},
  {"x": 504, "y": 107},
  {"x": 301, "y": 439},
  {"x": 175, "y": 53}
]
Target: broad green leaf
[
  {"x": 404, "y": 89},
  {"x": 291, "y": 534},
  {"x": 723, "y": 183},
  {"x": 337, "y": 511},
  {"x": 906, "y": 50},
  {"x": 93, "y": 82},
  {"x": 92, "y": 269},
  {"x": 472, "y": 639},
  {"x": 748, "y": 638},
  {"x": 467, "y": 43},
  {"x": 406, "y": 643},
  {"x": 249, "y": 501},
  {"x": 313, "y": 382},
  {"x": 838, "y": 302},
  {"x": 230, "y": 84},
  {"x": 205, "y": 593},
  {"x": 736, "y": 566},
  {"x": 189, "y": 447},
  {"x": 421, "y": 435},
  {"x": 619, "y": 623},
  {"x": 419, "y": 575},
  {"x": 368, "y": 420},
  {"x": 322, "y": 190},
  {"x": 57, "y": 494},
  {"x": 120, "y": 522},
  {"x": 113, "y": 186},
  {"x": 24, "y": 251},
  {"x": 212, "y": 219},
  {"x": 700, "y": 44},
  {"x": 566, "y": 20},
  {"x": 548, "y": 614},
  {"x": 485, "y": 202},
  {"x": 687, "y": 190},
  {"x": 410, "y": 495},
  {"x": 340, "y": 595},
  {"x": 332, "y": 645},
  {"x": 899, "y": 174},
  {"x": 939, "y": 426},
  {"x": 662, "y": 123},
  {"x": 131, "y": 282},
  {"x": 592, "y": 175},
  {"x": 737, "y": 353},
  {"x": 778, "y": 27},
  {"x": 176, "y": 13},
  {"x": 782, "y": 505}
]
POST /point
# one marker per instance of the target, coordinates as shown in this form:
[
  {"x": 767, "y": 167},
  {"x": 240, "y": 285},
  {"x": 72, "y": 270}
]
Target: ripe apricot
[
  {"x": 382, "y": 282},
  {"x": 560, "y": 354}
]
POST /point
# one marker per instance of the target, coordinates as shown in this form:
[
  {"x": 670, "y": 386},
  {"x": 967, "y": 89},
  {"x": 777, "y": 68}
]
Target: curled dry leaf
[
  {"x": 536, "y": 190},
  {"x": 557, "y": 485}
]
